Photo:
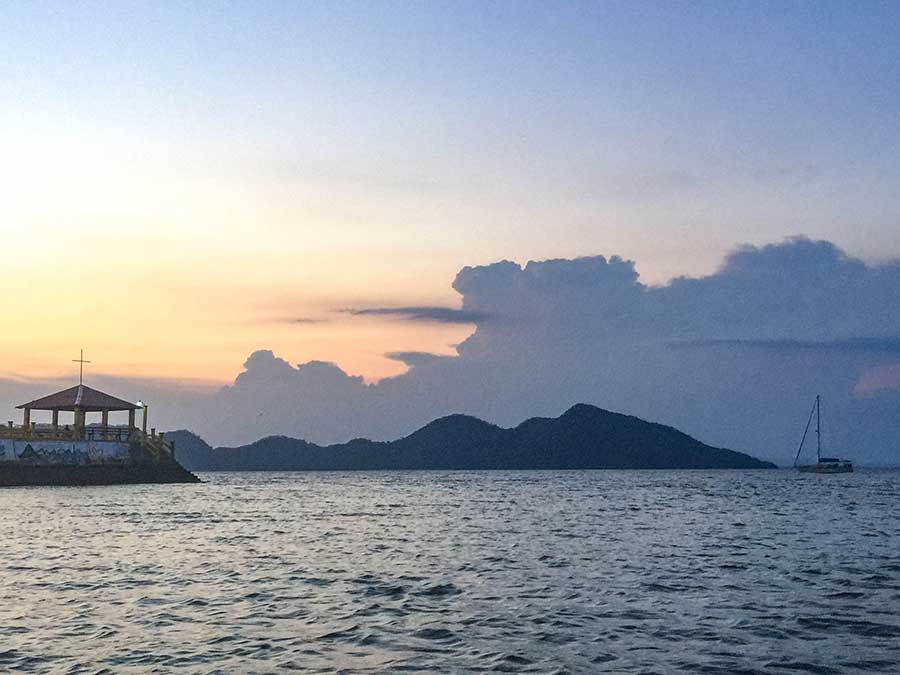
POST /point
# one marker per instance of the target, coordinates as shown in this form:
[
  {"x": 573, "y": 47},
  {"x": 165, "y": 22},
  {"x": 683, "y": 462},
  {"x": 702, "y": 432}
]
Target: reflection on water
[{"x": 456, "y": 572}]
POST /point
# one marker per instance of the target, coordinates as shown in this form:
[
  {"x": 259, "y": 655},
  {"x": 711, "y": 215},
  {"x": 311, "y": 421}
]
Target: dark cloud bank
[
  {"x": 432, "y": 314},
  {"x": 733, "y": 358}
]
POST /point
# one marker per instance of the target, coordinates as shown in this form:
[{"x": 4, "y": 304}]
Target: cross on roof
[{"x": 80, "y": 361}]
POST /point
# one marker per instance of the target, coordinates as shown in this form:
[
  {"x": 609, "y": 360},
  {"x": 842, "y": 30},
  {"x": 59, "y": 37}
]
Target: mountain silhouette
[{"x": 584, "y": 437}]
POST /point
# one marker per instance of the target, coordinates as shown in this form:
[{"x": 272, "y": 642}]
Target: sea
[{"x": 456, "y": 572}]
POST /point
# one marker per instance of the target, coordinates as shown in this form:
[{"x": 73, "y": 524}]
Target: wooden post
[
  {"x": 26, "y": 418},
  {"x": 144, "y": 420},
  {"x": 104, "y": 422},
  {"x": 130, "y": 421},
  {"x": 55, "y": 420}
]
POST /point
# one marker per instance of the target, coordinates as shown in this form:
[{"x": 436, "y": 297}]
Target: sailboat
[{"x": 823, "y": 464}]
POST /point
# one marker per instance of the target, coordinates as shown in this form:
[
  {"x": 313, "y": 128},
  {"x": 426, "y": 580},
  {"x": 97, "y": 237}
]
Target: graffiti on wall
[
  {"x": 72, "y": 453},
  {"x": 56, "y": 456}
]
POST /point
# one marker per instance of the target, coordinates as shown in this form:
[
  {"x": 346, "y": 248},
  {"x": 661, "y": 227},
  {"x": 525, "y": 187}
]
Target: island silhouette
[{"x": 584, "y": 437}]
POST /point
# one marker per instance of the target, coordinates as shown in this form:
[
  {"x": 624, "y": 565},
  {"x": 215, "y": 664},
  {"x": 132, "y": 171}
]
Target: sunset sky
[{"x": 185, "y": 183}]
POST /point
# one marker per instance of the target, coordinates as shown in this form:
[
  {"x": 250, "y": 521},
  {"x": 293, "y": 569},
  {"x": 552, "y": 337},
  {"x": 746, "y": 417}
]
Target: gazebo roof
[{"x": 80, "y": 397}]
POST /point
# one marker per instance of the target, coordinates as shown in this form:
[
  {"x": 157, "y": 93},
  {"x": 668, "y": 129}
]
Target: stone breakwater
[{"x": 16, "y": 474}]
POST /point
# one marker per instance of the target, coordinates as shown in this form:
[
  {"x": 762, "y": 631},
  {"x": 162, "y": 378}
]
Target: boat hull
[{"x": 843, "y": 467}]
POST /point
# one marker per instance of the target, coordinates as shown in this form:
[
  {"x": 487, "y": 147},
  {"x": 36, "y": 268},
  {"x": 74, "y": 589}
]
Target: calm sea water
[{"x": 559, "y": 572}]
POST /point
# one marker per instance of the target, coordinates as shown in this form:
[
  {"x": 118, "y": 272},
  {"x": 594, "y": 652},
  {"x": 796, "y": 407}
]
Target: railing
[
  {"x": 40, "y": 433},
  {"x": 67, "y": 433},
  {"x": 157, "y": 446},
  {"x": 121, "y": 434}
]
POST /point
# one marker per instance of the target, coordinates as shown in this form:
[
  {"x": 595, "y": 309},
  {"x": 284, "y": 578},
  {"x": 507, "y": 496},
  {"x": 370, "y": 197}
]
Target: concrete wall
[{"x": 61, "y": 452}]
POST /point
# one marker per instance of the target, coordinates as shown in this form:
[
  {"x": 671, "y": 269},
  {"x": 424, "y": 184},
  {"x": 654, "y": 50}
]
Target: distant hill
[{"x": 584, "y": 437}]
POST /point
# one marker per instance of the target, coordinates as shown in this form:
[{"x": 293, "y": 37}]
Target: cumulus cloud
[
  {"x": 734, "y": 357},
  {"x": 800, "y": 289}
]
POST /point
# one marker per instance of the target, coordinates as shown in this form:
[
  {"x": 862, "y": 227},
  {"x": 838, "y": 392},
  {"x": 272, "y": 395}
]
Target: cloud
[
  {"x": 430, "y": 314},
  {"x": 302, "y": 320},
  {"x": 413, "y": 359},
  {"x": 295, "y": 320},
  {"x": 877, "y": 345},
  {"x": 881, "y": 378},
  {"x": 284, "y": 320},
  {"x": 772, "y": 327}
]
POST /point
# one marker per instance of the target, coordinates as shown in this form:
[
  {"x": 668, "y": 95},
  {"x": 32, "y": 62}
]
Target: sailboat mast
[{"x": 818, "y": 430}]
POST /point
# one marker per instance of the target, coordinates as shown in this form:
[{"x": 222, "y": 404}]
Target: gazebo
[{"x": 81, "y": 400}]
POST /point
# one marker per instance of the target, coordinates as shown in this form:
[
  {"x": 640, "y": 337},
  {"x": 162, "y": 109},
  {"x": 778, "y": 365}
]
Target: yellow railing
[
  {"x": 157, "y": 446},
  {"x": 39, "y": 433}
]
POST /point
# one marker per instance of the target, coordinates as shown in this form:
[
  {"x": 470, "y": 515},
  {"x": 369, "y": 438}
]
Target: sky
[{"x": 186, "y": 184}]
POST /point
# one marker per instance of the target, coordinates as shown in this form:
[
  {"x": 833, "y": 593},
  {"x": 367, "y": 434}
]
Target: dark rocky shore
[{"x": 14, "y": 474}]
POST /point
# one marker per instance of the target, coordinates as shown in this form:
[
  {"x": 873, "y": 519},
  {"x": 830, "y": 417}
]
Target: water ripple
[{"x": 558, "y": 572}]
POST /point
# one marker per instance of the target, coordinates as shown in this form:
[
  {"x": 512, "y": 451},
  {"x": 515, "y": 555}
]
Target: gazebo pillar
[
  {"x": 55, "y": 420},
  {"x": 130, "y": 421},
  {"x": 79, "y": 424},
  {"x": 26, "y": 418}
]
